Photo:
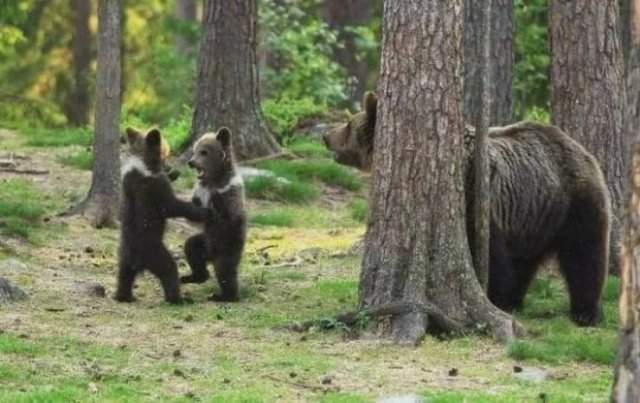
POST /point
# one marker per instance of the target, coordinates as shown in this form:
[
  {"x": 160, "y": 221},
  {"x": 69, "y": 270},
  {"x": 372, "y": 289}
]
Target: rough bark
[
  {"x": 416, "y": 248},
  {"x": 587, "y": 91},
  {"x": 78, "y": 104},
  {"x": 626, "y": 387},
  {"x": 502, "y": 60},
  {"x": 186, "y": 12},
  {"x": 481, "y": 159},
  {"x": 625, "y": 28},
  {"x": 341, "y": 15},
  {"x": 227, "y": 83},
  {"x": 102, "y": 202},
  {"x": 632, "y": 111}
]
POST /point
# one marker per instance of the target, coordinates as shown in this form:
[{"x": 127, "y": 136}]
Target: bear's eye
[{"x": 203, "y": 153}]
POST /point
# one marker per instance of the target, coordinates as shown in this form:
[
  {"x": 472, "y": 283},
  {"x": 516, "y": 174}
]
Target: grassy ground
[{"x": 63, "y": 344}]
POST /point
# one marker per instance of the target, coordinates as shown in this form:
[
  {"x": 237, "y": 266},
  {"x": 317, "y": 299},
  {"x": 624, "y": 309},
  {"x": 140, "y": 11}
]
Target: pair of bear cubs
[{"x": 149, "y": 200}]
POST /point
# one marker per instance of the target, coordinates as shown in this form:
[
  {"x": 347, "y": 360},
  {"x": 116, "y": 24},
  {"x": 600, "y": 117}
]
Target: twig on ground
[
  {"x": 25, "y": 171},
  {"x": 295, "y": 263}
]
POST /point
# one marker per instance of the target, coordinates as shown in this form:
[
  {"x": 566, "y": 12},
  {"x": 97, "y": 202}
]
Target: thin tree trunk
[
  {"x": 186, "y": 12},
  {"x": 79, "y": 101},
  {"x": 626, "y": 387},
  {"x": 416, "y": 248},
  {"x": 102, "y": 202},
  {"x": 500, "y": 75},
  {"x": 227, "y": 83},
  {"x": 587, "y": 93},
  {"x": 481, "y": 160},
  {"x": 341, "y": 15},
  {"x": 632, "y": 111}
]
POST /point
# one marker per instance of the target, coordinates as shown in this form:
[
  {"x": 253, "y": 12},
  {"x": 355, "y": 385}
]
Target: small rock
[
  {"x": 89, "y": 250},
  {"x": 10, "y": 292},
  {"x": 92, "y": 387},
  {"x": 177, "y": 354},
  {"x": 188, "y": 318},
  {"x": 178, "y": 372},
  {"x": 94, "y": 289},
  {"x": 401, "y": 399},
  {"x": 226, "y": 380},
  {"x": 327, "y": 380},
  {"x": 453, "y": 372},
  {"x": 517, "y": 369},
  {"x": 532, "y": 374},
  {"x": 292, "y": 374}
]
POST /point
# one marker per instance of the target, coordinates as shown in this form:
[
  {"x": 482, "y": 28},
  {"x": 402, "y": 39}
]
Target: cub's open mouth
[{"x": 199, "y": 173}]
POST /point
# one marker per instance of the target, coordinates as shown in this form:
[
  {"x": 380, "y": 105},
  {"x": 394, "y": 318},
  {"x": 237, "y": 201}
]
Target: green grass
[
  {"x": 61, "y": 137},
  {"x": 325, "y": 171},
  {"x": 555, "y": 338},
  {"x": 22, "y": 207},
  {"x": 270, "y": 188},
  {"x": 359, "y": 210},
  {"x": 308, "y": 148},
  {"x": 82, "y": 159},
  {"x": 276, "y": 218}
]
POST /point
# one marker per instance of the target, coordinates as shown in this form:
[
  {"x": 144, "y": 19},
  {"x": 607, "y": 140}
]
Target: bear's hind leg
[
  {"x": 126, "y": 276},
  {"x": 195, "y": 249},
  {"x": 502, "y": 279},
  {"x": 583, "y": 256},
  {"x": 226, "y": 268},
  {"x": 165, "y": 269},
  {"x": 524, "y": 272}
]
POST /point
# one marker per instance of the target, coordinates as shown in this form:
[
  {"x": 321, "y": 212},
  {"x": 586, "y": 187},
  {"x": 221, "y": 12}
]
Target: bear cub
[
  {"x": 147, "y": 201},
  {"x": 220, "y": 189}
]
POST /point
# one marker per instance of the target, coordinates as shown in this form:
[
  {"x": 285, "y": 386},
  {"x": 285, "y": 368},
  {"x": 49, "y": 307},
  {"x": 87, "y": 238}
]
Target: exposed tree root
[{"x": 437, "y": 318}]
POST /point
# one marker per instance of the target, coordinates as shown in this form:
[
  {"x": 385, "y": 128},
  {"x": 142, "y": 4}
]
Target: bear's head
[
  {"x": 352, "y": 142},
  {"x": 150, "y": 148},
  {"x": 213, "y": 158}
]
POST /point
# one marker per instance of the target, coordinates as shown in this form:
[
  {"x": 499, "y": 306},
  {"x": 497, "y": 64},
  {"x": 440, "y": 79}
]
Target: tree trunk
[
  {"x": 587, "y": 92},
  {"x": 186, "y": 12},
  {"x": 502, "y": 60},
  {"x": 481, "y": 159},
  {"x": 632, "y": 111},
  {"x": 416, "y": 248},
  {"x": 341, "y": 15},
  {"x": 102, "y": 202},
  {"x": 626, "y": 386},
  {"x": 625, "y": 28},
  {"x": 79, "y": 102},
  {"x": 227, "y": 86}
]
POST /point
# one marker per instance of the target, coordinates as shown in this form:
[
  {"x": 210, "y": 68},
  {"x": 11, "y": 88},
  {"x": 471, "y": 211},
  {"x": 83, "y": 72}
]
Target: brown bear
[
  {"x": 220, "y": 188},
  {"x": 147, "y": 201},
  {"x": 549, "y": 199}
]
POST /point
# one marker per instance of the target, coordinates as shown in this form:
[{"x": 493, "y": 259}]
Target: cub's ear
[
  {"x": 370, "y": 104},
  {"x": 132, "y": 135},
  {"x": 153, "y": 138},
  {"x": 224, "y": 136}
]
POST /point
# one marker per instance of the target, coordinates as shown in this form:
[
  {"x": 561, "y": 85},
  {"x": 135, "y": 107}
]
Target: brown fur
[
  {"x": 549, "y": 198},
  {"x": 220, "y": 189}
]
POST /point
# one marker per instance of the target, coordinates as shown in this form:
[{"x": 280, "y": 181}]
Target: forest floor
[{"x": 63, "y": 343}]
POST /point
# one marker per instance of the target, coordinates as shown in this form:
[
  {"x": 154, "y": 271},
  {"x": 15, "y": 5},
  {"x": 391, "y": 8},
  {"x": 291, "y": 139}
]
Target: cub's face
[
  {"x": 212, "y": 157},
  {"x": 352, "y": 142},
  {"x": 149, "y": 147}
]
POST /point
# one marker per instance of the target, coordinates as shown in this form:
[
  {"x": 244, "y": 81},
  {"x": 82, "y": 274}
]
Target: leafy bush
[
  {"x": 21, "y": 207},
  {"x": 308, "y": 148},
  {"x": 283, "y": 115},
  {"x": 359, "y": 210},
  {"x": 276, "y": 218},
  {"x": 270, "y": 188},
  {"x": 326, "y": 171},
  {"x": 79, "y": 159}
]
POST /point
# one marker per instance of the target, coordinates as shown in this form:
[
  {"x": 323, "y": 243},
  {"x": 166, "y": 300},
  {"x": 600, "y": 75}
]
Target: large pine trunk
[
  {"x": 102, "y": 202},
  {"x": 416, "y": 249},
  {"x": 342, "y": 15},
  {"x": 227, "y": 83},
  {"x": 587, "y": 92},
  {"x": 502, "y": 59},
  {"x": 626, "y": 386},
  {"x": 78, "y": 104}
]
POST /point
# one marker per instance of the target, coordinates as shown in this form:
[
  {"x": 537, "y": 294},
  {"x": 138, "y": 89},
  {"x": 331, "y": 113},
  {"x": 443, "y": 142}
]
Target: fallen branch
[
  {"x": 25, "y": 171},
  {"x": 293, "y": 263},
  {"x": 283, "y": 155},
  {"x": 436, "y": 316}
]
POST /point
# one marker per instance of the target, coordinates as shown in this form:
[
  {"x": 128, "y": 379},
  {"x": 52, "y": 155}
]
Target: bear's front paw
[
  {"x": 120, "y": 297},
  {"x": 223, "y": 298},
  {"x": 588, "y": 317}
]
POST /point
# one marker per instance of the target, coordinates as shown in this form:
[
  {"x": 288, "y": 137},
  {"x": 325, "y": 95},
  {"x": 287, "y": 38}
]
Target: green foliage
[
  {"x": 359, "y": 210},
  {"x": 531, "y": 70},
  {"x": 308, "y": 148},
  {"x": 79, "y": 159},
  {"x": 284, "y": 114},
  {"x": 270, "y": 188},
  {"x": 174, "y": 130},
  {"x": 44, "y": 137},
  {"x": 21, "y": 207},
  {"x": 276, "y": 218},
  {"x": 326, "y": 171},
  {"x": 557, "y": 339}
]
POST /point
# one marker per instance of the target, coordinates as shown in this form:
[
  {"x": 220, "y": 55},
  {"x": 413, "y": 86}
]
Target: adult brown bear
[{"x": 549, "y": 199}]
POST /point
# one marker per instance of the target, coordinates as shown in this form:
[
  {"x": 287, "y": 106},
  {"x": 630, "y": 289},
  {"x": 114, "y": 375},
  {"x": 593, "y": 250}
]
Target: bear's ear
[
  {"x": 132, "y": 135},
  {"x": 224, "y": 136},
  {"x": 370, "y": 104},
  {"x": 153, "y": 138}
]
